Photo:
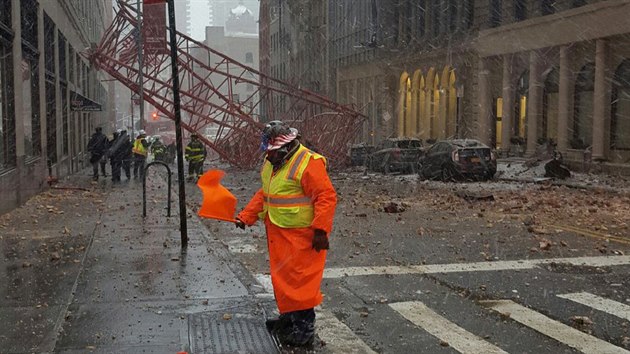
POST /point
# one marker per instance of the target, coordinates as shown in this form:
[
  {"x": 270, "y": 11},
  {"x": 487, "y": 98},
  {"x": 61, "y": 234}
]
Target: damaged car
[
  {"x": 459, "y": 159},
  {"x": 396, "y": 155}
]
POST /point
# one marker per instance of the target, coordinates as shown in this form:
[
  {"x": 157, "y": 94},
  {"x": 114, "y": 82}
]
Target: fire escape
[{"x": 227, "y": 125}]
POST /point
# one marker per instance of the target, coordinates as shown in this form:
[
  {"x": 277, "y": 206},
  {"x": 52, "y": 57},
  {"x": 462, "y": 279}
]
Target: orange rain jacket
[{"x": 296, "y": 268}]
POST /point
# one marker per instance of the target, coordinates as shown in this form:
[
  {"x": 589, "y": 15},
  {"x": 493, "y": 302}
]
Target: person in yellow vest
[
  {"x": 297, "y": 203},
  {"x": 195, "y": 155},
  {"x": 140, "y": 148}
]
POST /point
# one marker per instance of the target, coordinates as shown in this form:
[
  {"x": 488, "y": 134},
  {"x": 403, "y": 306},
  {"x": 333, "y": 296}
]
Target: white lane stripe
[
  {"x": 599, "y": 303},
  {"x": 332, "y": 273},
  {"x": 241, "y": 245},
  {"x": 265, "y": 281},
  {"x": 554, "y": 329},
  {"x": 438, "y": 326},
  {"x": 339, "y": 338}
]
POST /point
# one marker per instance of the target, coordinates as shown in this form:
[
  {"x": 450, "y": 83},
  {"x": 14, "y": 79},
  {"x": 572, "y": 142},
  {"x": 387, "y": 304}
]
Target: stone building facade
[
  {"x": 42, "y": 73},
  {"x": 512, "y": 73}
]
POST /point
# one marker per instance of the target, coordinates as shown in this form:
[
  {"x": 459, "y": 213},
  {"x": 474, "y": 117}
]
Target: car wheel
[{"x": 447, "y": 174}]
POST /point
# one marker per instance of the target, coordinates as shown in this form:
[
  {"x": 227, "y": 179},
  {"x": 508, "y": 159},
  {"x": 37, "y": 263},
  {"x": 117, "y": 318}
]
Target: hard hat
[{"x": 142, "y": 132}]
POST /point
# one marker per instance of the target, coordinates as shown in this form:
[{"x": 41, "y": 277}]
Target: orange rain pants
[{"x": 296, "y": 268}]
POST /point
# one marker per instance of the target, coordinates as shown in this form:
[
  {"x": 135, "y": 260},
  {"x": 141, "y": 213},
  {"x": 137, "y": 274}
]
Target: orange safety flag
[{"x": 218, "y": 203}]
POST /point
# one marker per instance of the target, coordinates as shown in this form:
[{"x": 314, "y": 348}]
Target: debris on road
[{"x": 393, "y": 208}]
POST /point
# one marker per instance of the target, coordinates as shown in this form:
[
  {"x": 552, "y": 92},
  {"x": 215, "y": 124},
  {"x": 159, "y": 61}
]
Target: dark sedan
[
  {"x": 458, "y": 159},
  {"x": 396, "y": 155}
]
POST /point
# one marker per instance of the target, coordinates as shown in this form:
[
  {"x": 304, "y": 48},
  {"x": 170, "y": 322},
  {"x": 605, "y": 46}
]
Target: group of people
[{"x": 123, "y": 154}]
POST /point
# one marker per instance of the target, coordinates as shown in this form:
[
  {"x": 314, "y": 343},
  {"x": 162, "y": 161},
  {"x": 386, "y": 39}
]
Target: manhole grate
[{"x": 209, "y": 333}]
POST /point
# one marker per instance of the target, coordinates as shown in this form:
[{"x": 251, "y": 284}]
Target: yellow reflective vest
[
  {"x": 285, "y": 201},
  {"x": 138, "y": 148}
]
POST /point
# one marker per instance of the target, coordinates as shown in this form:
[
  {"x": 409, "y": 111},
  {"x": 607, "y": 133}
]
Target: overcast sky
[{"x": 199, "y": 13}]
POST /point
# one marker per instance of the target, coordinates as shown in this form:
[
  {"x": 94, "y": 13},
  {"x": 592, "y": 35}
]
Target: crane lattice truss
[{"x": 209, "y": 79}]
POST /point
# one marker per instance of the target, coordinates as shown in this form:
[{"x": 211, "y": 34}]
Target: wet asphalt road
[{"x": 84, "y": 273}]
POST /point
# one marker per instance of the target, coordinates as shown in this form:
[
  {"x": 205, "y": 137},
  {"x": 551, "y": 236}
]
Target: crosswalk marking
[
  {"x": 438, "y": 326},
  {"x": 554, "y": 329},
  {"x": 599, "y": 303},
  {"x": 333, "y": 273},
  {"x": 339, "y": 338}
]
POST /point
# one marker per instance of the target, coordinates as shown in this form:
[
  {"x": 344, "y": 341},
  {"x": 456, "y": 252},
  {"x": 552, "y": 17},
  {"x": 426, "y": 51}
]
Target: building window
[
  {"x": 496, "y": 12},
  {"x": 452, "y": 15},
  {"x": 469, "y": 13},
  {"x": 620, "y": 122},
  {"x": 520, "y": 10},
  {"x": 30, "y": 79},
  {"x": 547, "y": 7},
  {"x": 51, "y": 102},
  {"x": 249, "y": 57},
  {"x": 421, "y": 16},
  {"x": 7, "y": 113},
  {"x": 436, "y": 12}
]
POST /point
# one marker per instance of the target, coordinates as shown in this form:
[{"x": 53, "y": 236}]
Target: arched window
[
  {"x": 547, "y": 7},
  {"x": 583, "y": 108},
  {"x": 496, "y": 12},
  {"x": 620, "y": 122},
  {"x": 520, "y": 10}
]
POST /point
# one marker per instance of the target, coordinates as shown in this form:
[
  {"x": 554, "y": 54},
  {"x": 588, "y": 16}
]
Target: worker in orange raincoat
[{"x": 297, "y": 204}]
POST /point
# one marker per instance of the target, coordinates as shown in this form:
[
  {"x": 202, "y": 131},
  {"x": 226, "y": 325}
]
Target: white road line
[
  {"x": 599, "y": 303},
  {"x": 332, "y": 273},
  {"x": 554, "y": 329},
  {"x": 265, "y": 281},
  {"x": 438, "y": 326},
  {"x": 339, "y": 338},
  {"x": 241, "y": 245}
]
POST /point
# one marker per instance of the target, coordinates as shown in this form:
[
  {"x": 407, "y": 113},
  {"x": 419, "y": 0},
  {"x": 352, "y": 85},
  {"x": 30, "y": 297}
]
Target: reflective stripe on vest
[
  {"x": 284, "y": 200},
  {"x": 138, "y": 148}
]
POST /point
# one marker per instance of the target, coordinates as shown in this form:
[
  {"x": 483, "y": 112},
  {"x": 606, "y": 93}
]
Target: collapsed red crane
[{"x": 229, "y": 127}]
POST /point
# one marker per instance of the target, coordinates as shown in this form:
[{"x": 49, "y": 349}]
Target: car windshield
[{"x": 408, "y": 144}]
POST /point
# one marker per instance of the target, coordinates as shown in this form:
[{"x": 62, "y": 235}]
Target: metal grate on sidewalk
[{"x": 210, "y": 333}]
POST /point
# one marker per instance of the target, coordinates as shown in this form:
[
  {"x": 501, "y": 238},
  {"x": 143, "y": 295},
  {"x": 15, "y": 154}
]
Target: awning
[{"x": 80, "y": 103}]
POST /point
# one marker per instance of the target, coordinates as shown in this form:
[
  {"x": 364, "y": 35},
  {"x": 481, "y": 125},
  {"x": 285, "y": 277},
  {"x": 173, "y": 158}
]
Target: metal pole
[
  {"x": 131, "y": 118},
  {"x": 178, "y": 125},
  {"x": 140, "y": 66}
]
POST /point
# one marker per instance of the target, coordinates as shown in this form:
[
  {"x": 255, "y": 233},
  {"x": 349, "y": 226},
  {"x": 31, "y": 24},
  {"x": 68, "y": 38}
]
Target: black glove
[
  {"x": 320, "y": 240},
  {"x": 239, "y": 223}
]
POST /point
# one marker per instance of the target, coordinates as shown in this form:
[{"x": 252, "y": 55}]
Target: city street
[
  {"x": 414, "y": 266},
  {"x": 539, "y": 269}
]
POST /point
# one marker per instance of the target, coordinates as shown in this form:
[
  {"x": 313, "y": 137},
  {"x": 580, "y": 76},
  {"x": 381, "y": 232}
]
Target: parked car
[
  {"x": 396, "y": 155},
  {"x": 454, "y": 159},
  {"x": 360, "y": 153}
]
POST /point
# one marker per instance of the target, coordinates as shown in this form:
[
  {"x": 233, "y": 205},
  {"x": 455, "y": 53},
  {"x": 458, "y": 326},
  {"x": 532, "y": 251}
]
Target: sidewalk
[{"x": 85, "y": 273}]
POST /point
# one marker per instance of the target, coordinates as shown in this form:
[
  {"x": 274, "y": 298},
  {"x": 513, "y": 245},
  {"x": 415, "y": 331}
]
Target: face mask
[{"x": 276, "y": 157}]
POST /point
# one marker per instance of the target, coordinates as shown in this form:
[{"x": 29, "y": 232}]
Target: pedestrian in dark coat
[
  {"x": 97, "y": 147},
  {"x": 120, "y": 155}
]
